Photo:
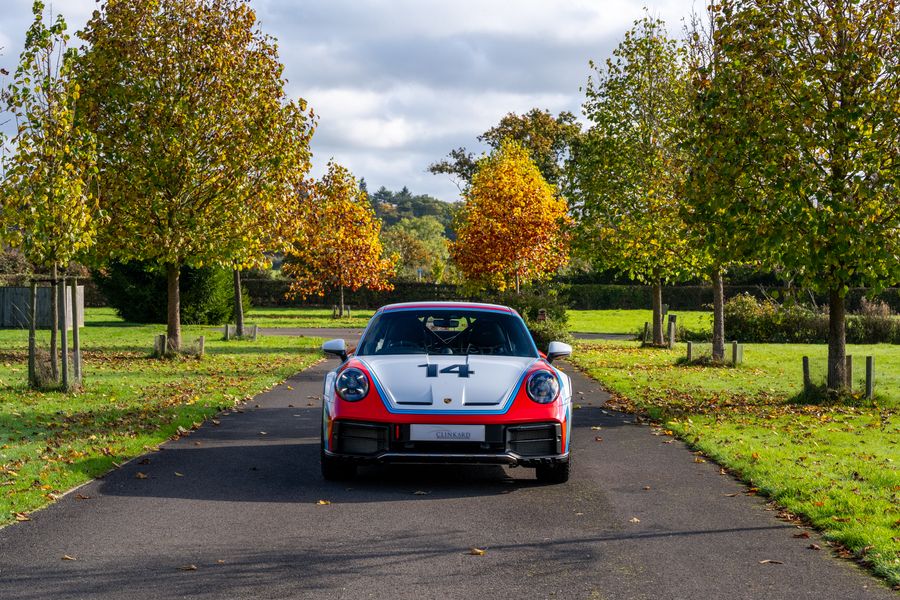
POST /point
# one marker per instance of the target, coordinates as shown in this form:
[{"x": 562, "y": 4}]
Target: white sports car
[{"x": 447, "y": 382}]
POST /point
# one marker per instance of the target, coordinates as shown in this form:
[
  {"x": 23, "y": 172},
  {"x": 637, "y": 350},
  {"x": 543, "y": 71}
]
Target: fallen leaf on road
[
  {"x": 770, "y": 562},
  {"x": 263, "y": 433},
  {"x": 699, "y": 460},
  {"x": 323, "y": 502},
  {"x": 420, "y": 493},
  {"x": 177, "y": 474},
  {"x": 802, "y": 535},
  {"x": 596, "y": 428},
  {"x": 722, "y": 471},
  {"x": 476, "y": 551},
  {"x": 634, "y": 520},
  {"x": 646, "y": 487},
  {"x": 731, "y": 495},
  {"x": 814, "y": 547},
  {"x": 67, "y": 557},
  {"x": 140, "y": 475},
  {"x": 82, "y": 497},
  {"x": 216, "y": 422},
  {"x": 187, "y": 568},
  {"x": 289, "y": 387},
  {"x": 220, "y": 562},
  {"x": 22, "y": 517},
  {"x": 144, "y": 461},
  {"x": 668, "y": 441},
  {"x": 598, "y": 439}
]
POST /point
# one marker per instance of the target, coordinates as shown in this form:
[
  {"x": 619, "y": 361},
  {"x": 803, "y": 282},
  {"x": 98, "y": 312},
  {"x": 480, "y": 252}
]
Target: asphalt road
[{"x": 231, "y": 511}]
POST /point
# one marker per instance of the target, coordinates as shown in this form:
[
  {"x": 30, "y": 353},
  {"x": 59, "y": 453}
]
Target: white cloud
[{"x": 399, "y": 83}]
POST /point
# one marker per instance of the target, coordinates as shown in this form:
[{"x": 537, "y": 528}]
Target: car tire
[
  {"x": 335, "y": 469},
  {"x": 553, "y": 473}
]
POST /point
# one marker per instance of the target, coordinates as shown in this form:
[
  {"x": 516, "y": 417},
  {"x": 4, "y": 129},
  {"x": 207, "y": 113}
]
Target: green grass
[
  {"x": 836, "y": 465},
  {"x": 51, "y": 442},
  {"x": 305, "y": 317},
  {"x": 632, "y": 321}
]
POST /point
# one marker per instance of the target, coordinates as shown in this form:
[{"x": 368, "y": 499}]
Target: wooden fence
[{"x": 15, "y": 303}]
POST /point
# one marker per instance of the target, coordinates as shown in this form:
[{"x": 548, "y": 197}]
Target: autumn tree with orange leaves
[
  {"x": 338, "y": 245},
  {"x": 512, "y": 228}
]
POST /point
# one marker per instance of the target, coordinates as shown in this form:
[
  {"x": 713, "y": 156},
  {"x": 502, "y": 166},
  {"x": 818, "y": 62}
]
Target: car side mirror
[
  {"x": 336, "y": 348},
  {"x": 558, "y": 350}
]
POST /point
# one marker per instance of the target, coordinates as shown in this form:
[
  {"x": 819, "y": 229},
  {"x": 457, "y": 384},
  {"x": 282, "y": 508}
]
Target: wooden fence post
[
  {"x": 227, "y": 331},
  {"x": 201, "y": 345},
  {"x": 870, "y": 376},
  {"x": 671, "y": 334},
  {"x": 646, "y": 333},
  {"x": 255, "y": 332},
  {"x": 690, "y": 351},
  {"x": 806, "y": 382},
  {"x": 849, "y": 364},
  {"x": 76, "y": 341},
  {"x": 32, "y": 343},
  {"x": 64, "y": 334}
]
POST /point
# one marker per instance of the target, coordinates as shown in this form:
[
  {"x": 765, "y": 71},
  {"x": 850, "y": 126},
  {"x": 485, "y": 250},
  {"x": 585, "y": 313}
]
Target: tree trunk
[
  {"x": 837, "y": 341},
  {"x": 718, "y": 334},
  {"x": 518, "y": 289},
  {"x": 173, "y": 274},
  {"x": 238, "y": 305},
  {"x": 657, "y": 314},
  {"x": 341, "y": 307},
  {"x": 54, "y": 325},
  {"x": 32, "y": 334}
]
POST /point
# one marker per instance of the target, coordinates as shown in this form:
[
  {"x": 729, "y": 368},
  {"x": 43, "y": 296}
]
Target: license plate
[{"x": 446, "y": 433}]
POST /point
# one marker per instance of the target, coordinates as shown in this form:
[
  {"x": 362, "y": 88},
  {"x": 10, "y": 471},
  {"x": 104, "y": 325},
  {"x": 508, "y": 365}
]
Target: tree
[
  {"x": 271, "y": 209},
  {"x": 626, "y": 169},
  {"x": 512, "y": 227},
  {"x": 337, "y": 243},
  {"x": 809, "y": 92},
  {"x": 547, "y": 139},
  {"x": 195, "y": 134},
  {"x": 421, "y": 246},
  {"x": 51, "y": 212},
  {"x": 723, "y": 240}
]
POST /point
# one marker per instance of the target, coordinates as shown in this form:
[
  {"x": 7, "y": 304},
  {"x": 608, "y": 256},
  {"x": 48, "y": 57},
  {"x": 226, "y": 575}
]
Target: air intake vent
[{"x": 534, "y": 440}]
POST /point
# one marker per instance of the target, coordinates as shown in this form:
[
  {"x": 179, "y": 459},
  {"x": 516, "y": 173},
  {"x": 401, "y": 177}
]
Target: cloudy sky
[{"x": 398, "y": 83}]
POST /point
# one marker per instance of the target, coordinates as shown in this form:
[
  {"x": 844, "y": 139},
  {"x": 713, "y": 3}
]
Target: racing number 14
[{"x": 462, "y": 370}]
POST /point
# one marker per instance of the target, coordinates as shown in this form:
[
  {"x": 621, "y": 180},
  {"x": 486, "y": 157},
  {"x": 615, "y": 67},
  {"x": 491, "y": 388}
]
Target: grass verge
[
  {"x": 837, "y": 466},
  {"x": 305, "y": 317},
  {"x": 631, "y": 321},
  {"x": 51, "y": 442}
]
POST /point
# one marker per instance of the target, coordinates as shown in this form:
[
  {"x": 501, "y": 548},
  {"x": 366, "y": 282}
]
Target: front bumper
[{"x": 528, "y": 445}]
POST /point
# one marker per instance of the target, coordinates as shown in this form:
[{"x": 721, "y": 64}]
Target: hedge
[{"x": 271, "y": 292}]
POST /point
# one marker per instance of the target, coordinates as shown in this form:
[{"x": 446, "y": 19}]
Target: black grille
[
  {"x": 360, "y": 438},
  {"x": 534, "y": 440}
]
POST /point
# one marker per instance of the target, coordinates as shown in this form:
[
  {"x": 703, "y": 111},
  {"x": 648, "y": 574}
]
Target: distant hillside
[{"x": 393, "y": 206}]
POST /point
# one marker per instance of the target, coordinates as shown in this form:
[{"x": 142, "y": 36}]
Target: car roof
[{"x": 446, "y": 305}]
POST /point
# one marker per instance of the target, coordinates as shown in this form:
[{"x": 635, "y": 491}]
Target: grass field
[
  {"x": 583, "y": 321},
  {"x": 837, "y": 466},
  {"x": 50, "y": 442},
  {"x": 305, "y": 317},
  {"x": 631, "y": 321}
]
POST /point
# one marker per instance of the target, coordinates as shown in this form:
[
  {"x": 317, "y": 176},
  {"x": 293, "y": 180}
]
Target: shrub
[
  {"x": 750, "y": 320},
  {"x": 529, "y": 303},
  {"x": 875, "y": 322},
  {"x": 137, "y": 291}
]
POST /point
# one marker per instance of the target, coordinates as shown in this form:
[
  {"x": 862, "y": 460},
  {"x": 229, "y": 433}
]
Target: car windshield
[{"x": 447, "y": 331}]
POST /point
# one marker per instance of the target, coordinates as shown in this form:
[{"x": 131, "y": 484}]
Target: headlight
[
  {"x": 542, "y": 387},
  {"x": 352, "y": 384}
]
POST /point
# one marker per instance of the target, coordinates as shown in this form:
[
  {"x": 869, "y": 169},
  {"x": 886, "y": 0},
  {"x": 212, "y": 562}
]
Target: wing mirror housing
[
  {"x": 558, "y": 350},
  {"x": 336, "y": 348}
]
